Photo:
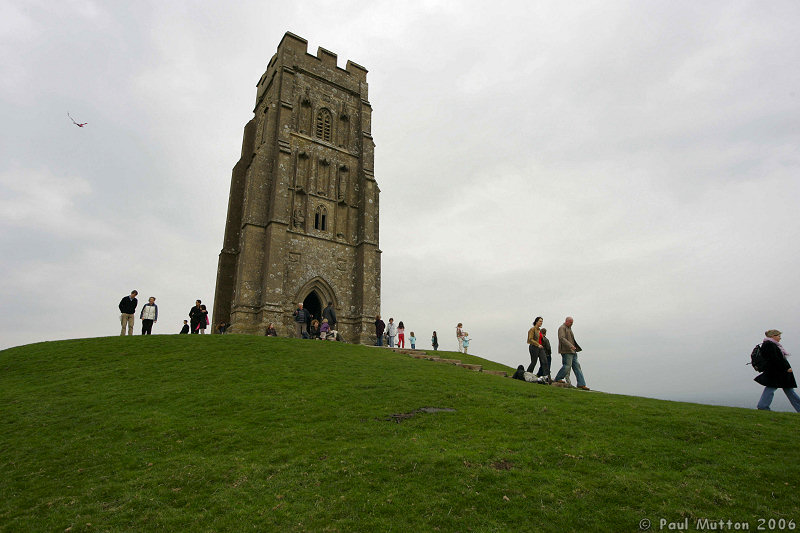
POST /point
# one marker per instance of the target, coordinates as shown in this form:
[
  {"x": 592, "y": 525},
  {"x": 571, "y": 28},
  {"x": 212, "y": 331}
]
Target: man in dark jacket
[
  {"x": 778, "y": 374},
  {"x": 127, "y": 308},
  {"x": 379, "y": 327},
  {"x": 195, "y": 314},
  {"x": 330, "y": 314},
  {"x": 301, "y": 317}
]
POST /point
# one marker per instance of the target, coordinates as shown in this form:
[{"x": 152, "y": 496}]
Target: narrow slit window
[
  {"x": 321, "y": 219},
  {"x": 324, "y": 125}
]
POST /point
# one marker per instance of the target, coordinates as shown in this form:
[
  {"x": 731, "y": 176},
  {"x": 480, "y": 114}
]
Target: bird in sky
[{"x": 76, "y": 123}]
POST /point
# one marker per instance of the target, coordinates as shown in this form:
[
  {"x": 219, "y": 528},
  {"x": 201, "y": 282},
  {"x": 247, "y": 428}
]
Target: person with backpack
[{"x": 776, "y": 372}]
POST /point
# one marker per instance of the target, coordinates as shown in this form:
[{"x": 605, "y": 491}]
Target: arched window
[
  {"x": 324, "y": 125},
  {"x": 320, "y": 218}
]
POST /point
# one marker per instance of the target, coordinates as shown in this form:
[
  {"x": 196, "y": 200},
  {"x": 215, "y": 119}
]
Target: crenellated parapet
[{"x": 293, "y": 54}]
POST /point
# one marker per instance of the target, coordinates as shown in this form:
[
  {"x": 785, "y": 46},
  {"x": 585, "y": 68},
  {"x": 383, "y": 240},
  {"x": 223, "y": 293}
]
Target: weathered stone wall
[{"x": 303, "y": 207}]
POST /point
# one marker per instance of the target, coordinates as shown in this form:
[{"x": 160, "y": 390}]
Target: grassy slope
[{"x": 234, "y": 433}]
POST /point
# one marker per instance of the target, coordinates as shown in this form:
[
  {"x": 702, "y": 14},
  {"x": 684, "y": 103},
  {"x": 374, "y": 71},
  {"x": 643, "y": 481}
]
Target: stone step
[
  {"x": 422, "y": 354},
  {"x": 407, "y": 351}
]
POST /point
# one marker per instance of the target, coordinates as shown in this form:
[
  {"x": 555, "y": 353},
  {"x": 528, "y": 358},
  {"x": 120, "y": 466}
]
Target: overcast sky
[{"x": 632, "y": 164}]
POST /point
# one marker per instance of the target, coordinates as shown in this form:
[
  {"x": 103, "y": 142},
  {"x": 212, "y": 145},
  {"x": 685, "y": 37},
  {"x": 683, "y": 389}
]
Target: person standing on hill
[
  {"x": 127, "y": 308},
  {"x": 203, "y": 320},
  {"x": 778, "y": 373},
  {"x": 548, "y": 351},
  {"x": 380, "y": 326},
  {"x": 535, "y": 348},
  {"x": 460, "y": 337},
  {"x": 301, "y": 317},
  {"x": 401, "y": 335},
  {"x": 569, "y": 349},
  {"x": 195, "y": 314},
  {"x": 435, "y": 341},
  {"x": 391, "y": 332},
  {"x": 330, "y": 314},
  {"x": 149, "y": 315}
]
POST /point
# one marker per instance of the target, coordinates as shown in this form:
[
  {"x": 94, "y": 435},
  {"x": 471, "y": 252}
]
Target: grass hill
[{"x": 240, "y": 433}]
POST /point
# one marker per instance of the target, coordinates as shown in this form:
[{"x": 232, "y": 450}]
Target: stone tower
[{"x": 303, "y": 210}]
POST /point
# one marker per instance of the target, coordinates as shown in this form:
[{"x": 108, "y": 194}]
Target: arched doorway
[{"x": 313, "y": 304}]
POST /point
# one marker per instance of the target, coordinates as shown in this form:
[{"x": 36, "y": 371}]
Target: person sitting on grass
[
  {"x": 271, "y": 330},
  {"x": 324, "y": 329}
]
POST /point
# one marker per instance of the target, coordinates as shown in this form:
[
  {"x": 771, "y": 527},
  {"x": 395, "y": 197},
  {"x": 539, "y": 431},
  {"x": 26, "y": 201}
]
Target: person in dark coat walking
[
  {"x": 778, "y": 374},
  {"x": 379, "y": 327}
]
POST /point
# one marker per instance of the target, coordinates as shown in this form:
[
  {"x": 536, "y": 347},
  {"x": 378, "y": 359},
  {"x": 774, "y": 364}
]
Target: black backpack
[{"x": 757, "y": 360}]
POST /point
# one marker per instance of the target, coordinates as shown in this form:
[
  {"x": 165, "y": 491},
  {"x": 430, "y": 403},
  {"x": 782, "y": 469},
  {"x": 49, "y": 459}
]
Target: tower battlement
[
  {"x": 292, "y": 53},
  {"x": 293, "y": 44}
]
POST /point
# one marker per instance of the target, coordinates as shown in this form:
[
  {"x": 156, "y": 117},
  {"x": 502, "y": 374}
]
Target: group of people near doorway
[
  {"x": 541, "y": 352},
  {"x": 387, "y": 334},
  {"x": 308, "y": 326}
]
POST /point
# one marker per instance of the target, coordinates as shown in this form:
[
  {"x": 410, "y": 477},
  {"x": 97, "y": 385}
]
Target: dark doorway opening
[{"x": 313, "y": 305}]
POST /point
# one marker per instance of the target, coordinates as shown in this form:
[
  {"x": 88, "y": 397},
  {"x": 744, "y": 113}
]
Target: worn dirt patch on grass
[{"x": 399, "y": 417}]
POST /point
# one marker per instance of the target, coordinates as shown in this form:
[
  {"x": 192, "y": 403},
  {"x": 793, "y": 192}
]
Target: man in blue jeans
[{"x": 569, "y": 349}]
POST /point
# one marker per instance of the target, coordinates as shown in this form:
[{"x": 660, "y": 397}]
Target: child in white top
[{"x": 413, "y": 340}]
